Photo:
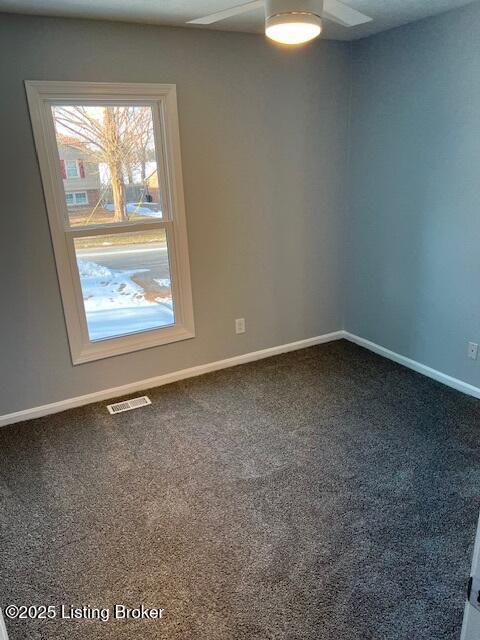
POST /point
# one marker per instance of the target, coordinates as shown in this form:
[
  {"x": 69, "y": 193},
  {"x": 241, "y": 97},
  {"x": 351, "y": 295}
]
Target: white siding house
[{"x": 80, "y": 173}]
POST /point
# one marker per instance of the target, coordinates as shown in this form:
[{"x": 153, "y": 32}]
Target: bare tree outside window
[{"x": 119, "y": 149}]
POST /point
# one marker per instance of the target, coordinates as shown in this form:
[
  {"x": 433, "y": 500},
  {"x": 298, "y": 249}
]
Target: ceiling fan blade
[
  {"x": 228, "y": 13},
  {"x": 346, "y": 16}
]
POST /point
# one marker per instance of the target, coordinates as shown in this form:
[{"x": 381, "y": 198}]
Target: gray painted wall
[
  {"x": 264, "y": 142},
  {"x": 413, "y": 243}
]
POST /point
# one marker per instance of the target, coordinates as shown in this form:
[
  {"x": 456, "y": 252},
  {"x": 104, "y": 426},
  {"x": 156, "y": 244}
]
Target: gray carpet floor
[{"x": 326, "y": 494}]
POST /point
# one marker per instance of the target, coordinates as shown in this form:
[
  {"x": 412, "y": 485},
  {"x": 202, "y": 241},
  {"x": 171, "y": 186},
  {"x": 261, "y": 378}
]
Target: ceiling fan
[{"x": 293, "y": 21}]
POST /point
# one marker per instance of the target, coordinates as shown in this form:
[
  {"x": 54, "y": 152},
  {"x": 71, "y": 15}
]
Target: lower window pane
[{"x": 126, "y": 284}]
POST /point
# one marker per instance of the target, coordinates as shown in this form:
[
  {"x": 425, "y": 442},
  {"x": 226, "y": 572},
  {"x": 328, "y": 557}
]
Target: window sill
[{"x": 127, "y": 344}]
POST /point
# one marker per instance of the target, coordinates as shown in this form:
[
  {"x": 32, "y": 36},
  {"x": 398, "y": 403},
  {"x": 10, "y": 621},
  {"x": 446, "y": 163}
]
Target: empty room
[{"x": 240, "y": 327}]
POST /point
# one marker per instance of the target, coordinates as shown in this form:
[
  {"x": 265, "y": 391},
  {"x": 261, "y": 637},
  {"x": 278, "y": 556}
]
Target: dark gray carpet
[{"x": 326, "y": 494}]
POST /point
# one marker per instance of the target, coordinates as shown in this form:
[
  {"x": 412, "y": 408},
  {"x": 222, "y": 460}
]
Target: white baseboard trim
[
  {"x": 455, "y": 383},
  {"x": 157, "y": 381}
]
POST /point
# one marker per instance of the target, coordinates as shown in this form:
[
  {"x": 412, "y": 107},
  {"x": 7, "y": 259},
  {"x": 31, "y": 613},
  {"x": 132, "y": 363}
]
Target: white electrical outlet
[
  {"x": 240, "y": 325},
  {"x": 472, "y": 350}
]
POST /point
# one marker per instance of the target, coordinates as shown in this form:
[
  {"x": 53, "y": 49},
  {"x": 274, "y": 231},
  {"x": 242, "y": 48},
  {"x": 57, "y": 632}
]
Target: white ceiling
[{"x": 385, "y": 13}]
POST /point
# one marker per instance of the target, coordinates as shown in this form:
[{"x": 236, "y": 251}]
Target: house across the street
[{"x": 80, "y": 173}]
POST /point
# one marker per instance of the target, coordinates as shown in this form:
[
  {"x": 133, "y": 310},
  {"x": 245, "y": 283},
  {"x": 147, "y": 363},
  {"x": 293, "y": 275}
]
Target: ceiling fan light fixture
[{"x": 293, "y": 27}]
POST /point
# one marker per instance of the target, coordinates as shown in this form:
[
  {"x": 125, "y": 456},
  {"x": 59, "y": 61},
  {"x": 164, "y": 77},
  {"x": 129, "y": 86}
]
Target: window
[
  {"x": 76, "y": 198},
  {"x": 120, "y": 245},
  {"x": 80, "y": 197},
  {"x": 71, "y": 168}
]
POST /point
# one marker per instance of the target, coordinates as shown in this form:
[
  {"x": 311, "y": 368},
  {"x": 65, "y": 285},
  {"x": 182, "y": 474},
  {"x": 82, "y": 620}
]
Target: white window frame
[
  {"x": 77, "y": 170},
  {"x": 163, "y": 101},
  {"x": 75, "y": 194},
  {"x": 78, "y": 193}
]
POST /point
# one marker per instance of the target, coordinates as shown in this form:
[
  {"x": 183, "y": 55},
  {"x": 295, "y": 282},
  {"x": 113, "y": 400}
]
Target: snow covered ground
[{"x": 115, "y": 305}]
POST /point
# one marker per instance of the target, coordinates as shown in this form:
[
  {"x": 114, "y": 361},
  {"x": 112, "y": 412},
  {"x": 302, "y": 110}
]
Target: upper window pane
[{"x": 109, "y": 153}]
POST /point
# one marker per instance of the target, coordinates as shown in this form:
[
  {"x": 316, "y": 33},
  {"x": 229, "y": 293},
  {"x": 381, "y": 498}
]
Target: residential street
[
  {"x": 125, "y": 288},
  {"x": 153, "y": 257}
]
